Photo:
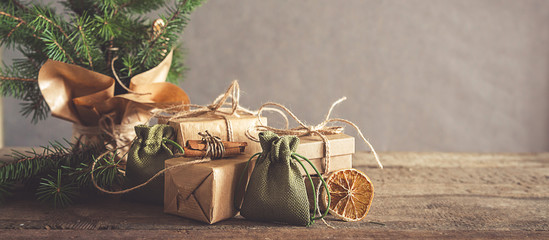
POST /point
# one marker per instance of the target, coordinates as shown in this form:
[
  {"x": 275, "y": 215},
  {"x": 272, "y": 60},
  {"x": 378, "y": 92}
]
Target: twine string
[
  {"x": 106, "y": 125},
  {"x": 203, "y": 160},
  {"x": 146, "y": 182},
  {"x": 319, "y": 185},
  {"x": 214, "y": 146},
  {"x": 180, "y": 112},
  {"x": 114, "y": 135},
  {"x": 322, "y": 129},
  {"x": 120, "y": 135},
  {"x": 120, "y": 81},
  {"x": 216, "y": 108}
]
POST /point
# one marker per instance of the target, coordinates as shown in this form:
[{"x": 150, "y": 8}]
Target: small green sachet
[
  {"x": 276, "y": 191},
  {"x": 145, "y": 158}
]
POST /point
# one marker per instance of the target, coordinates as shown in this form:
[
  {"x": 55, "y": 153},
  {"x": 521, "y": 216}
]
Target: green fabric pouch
[
  {"x": 276, "y": 191},
  {"x": 145, "y": 158}
]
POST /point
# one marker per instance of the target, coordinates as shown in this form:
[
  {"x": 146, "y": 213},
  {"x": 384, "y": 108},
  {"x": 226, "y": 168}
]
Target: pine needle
[{"x": 83, "y": 35}]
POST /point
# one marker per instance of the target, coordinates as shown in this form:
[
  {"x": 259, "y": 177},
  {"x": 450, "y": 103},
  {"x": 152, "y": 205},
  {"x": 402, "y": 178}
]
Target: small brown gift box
[
  {"x": 342, "y": 148},
  {"x": 188, "y": 128},
  {"x": 203, "y": 191}
]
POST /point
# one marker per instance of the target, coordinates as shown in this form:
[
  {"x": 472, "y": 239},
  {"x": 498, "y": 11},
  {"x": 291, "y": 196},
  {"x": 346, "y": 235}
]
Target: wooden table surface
[{"x": 417, "y": 195}]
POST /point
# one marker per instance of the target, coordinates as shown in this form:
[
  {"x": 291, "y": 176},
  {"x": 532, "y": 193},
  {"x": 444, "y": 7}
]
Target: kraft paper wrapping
[
  {"x": 203, "y": 191},
  {"x": 342, "y": 147},
  {"x": 188, "y": 129},
  {"x": 84, "y": 97}
]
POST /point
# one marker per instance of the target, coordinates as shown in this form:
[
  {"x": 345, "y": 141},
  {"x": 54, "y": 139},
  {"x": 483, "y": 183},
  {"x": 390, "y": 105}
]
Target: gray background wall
[{"x": 420, "y": 75}]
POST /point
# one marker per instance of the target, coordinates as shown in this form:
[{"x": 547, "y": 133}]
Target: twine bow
[
  {"x": 322, "y": 129},
  {"x": 216, "y": 108}
]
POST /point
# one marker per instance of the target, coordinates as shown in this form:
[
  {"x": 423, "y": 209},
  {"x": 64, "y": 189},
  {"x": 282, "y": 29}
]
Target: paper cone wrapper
[{"x": 85, "y": 97}]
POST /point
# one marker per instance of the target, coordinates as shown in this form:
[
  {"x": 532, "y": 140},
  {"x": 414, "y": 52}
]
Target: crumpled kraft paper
[{"x": 83, "y": 96}]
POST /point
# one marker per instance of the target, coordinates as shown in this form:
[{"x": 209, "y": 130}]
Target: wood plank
[
  {"x": 449, "y": 159},
  {"x": 460, "y": 191},
  {"x": 272, "y": 233},
  {"x": 417, "y": 195}
]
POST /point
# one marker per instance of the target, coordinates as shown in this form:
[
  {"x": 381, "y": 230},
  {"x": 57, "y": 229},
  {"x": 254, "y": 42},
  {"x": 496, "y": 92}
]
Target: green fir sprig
[
  {"x": 54, "y": 190},
  {"x": 62, "y": 171},
  {"x": 89, "y": 33}
]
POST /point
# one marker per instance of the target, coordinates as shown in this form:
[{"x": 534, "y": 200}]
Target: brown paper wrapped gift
[
  {"x": 188, "y": 128},
  {"x": 86, "y": 98},
  {"x": 322, "y": 133},
  {"x": 223, "y": 118},
  {"x": 203, "y": 191},
  {"x": 342, "y": 147}
]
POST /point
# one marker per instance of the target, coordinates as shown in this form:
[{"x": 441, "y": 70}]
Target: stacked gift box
[
  {"x": 206, "y": 191},
  {"x": 209, "y": 189}
]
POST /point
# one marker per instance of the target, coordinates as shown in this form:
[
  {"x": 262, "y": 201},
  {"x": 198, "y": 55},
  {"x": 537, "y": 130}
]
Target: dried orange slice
[{"x": 352, "y": 193}]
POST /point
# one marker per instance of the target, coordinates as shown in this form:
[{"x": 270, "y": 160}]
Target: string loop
[
  {"x": 216, "y": 108},
  {"x": 322, "y": 129}
]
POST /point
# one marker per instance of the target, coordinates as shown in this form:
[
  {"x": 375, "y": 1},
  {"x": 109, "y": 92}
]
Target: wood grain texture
[{"x": 417, "y": 195}]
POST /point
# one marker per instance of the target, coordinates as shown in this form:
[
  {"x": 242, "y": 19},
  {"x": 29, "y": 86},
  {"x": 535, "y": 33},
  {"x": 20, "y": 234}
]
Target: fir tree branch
[
  {"x": 126, "y": 4},
  {"x": 122, "y": 6},
  {"x": 13, "y": 30},
  {"x": 57, "y": 192},
  {"x": 138, "y": 6},
  {"x": 56, "y": 155},
  {"x": 86, "y": 38},
  {"x": 19, "y": 5},
  {"x": 80, "y": 7},
  {"x": 86, "y": 45},
  {"x": 11, "y": 16},
  {"x": 36, "y": 106},
  {"x": 176, "y": 13},
  {"x": 60, "y": 29},
  {"x": 49, "y": 37},
  {"x": 63, "y": 172},
  {"x": 20, "y": 21},
  {"x": 30, "y": 163},
  {"x": 57, "y": 26},
  {"x": 18, "y": 79},
  {"x": 64, "y": 52},
  {"x": 58, "y": 152},
  {"x": 34, "y": 62},
  {"x": 157, "y": 36}
]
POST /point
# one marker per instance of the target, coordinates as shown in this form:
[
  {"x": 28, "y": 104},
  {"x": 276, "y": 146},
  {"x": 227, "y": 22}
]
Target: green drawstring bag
[
  {"x": 145, "y": 158},
  {"x": 276, "y": 191}
]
